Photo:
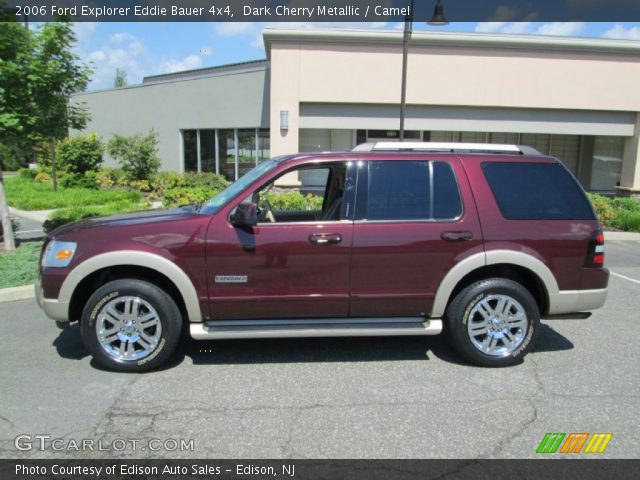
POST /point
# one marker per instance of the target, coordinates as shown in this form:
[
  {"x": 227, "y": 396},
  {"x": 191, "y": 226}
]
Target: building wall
[
  {"x": 455, "y": 82},
  {"x": 237, "y": 99}
]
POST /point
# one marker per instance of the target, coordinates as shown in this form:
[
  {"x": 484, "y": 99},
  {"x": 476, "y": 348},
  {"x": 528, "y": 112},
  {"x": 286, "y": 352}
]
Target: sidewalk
[
  {"x": 29, "y": 223},
  {"x": 34, "y": 215}
]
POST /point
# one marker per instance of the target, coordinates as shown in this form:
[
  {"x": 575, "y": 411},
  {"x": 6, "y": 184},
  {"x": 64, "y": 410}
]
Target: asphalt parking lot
[{"x": 329, "y": 398}]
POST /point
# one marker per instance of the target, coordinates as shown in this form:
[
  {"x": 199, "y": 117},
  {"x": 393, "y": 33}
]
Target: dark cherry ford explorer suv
[{"x": 401, "y": 239}]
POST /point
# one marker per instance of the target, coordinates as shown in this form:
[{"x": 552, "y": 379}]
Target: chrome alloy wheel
[
  {"x": 497, "y": 325},
  {"x": 128, "y": 328}
]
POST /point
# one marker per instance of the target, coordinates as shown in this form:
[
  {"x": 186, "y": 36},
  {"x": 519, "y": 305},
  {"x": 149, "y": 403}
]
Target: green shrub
[
  {"x": 175, "y": 197},
  {"x": 79, "y": 180},
  {"x": 165, "y": 180},
  {"x": 603, "y": 208},
  {"x": 105, "y": 178},
  {"x": 288, "y": 201},
  {"x": 627, "y": 220},
  {"x": 42, "y": 177},
  {"x": 74, "y": 214},
  {"x": 28, "y": 173},
  {"x": 205, "y": 179},
  {"x": 142, "y": 185},
  {"x": 628, "y": 204},
  {"x": 80, "y": 154},
  {"x": 137, "y": 155}
]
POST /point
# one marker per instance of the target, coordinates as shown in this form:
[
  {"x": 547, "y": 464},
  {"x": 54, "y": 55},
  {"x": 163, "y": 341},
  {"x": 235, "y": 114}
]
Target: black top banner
[{"x": 321, "y": 10}]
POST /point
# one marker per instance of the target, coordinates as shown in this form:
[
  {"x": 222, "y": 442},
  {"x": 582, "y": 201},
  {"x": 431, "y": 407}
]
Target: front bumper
[{"x": 53, "y": 308}]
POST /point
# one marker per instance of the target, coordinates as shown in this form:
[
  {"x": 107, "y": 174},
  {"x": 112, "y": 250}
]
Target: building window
[
  {"x": 264, "y": 144},
  {"x": 230, "y": 152},
  {"x": 208, "y": 150},
  {"x": 190, "y": 149},
  {"x": 606, "y": 163},
  {"x": 247, "y": 154}
]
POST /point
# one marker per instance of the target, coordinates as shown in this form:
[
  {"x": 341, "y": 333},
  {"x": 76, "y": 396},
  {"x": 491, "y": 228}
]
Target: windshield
[{"x": 233, "y": 190}]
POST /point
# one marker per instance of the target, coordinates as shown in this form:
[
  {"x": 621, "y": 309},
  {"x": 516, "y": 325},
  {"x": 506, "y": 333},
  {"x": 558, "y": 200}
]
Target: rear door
[{"x": 414, "y": 220}]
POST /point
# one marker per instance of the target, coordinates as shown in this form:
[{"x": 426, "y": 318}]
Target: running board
[{"x": 315, "y": 327}]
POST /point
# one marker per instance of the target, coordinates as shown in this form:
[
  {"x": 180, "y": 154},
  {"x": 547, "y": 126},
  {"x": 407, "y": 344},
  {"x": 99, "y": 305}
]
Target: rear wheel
[
  {"x": 131, "y": 325},
  {"x": 493, "y": 322}
]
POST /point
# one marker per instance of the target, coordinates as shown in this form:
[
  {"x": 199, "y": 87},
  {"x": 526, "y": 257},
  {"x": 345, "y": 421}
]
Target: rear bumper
[
  {"x": 53, "y": 308},
  {"x": 570, "y": 301}
]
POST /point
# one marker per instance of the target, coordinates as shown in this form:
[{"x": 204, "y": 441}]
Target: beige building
[{"x": 576, "y": 99}]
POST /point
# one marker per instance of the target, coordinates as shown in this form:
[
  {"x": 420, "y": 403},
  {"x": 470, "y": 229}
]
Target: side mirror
[{"x": 245, "y": 215}]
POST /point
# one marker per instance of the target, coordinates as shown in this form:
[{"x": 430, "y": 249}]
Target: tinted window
[
  {"x": 537, "y": 191},
  {"x": 446, "y": 197},
  {"x": 398, "y": 191}
]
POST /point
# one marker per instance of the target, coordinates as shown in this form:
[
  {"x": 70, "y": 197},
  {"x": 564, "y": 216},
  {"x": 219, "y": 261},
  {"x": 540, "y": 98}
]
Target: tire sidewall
[
  {"x": 169, "y": 316},
  {"x": 458, "y": 316}
]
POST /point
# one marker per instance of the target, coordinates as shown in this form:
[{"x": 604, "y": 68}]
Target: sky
[{"x": 142, "y": 49}]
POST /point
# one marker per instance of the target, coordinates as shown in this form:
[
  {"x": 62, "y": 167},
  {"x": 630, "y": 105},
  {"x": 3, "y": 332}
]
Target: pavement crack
[
  {"x": 497, "y": 450},
  {"x": 5, "y": 419}
]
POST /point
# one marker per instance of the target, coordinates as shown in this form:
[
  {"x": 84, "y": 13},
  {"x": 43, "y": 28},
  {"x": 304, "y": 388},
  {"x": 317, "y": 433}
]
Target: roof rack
[{"x": 446, "y": 147}]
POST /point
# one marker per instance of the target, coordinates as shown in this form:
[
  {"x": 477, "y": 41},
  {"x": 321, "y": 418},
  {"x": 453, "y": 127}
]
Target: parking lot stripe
[{"x": 626, "y": 278}]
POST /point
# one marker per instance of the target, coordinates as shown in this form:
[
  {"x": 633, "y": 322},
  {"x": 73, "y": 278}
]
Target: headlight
[{"x": 58, "y": 254}]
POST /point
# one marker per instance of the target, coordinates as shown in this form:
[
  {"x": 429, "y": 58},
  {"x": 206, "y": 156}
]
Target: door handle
[
  {"x": 463, "y": 236},
  {"x": 325, "y": 238}
]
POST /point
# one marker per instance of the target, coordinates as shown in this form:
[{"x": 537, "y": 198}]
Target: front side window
[
  {"x": 305, "y": 194},
  {"x": 410, "y": 190}
]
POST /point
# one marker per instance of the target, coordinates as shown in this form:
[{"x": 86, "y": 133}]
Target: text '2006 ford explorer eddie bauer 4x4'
[{"x": 405, "y": 239}]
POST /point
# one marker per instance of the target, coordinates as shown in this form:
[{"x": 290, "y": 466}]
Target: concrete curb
[
  {"x": 26, "y": 292},
  {"x": 621, "y": 236}
]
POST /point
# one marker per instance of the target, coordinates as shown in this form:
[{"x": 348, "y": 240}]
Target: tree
[
  {"x": 38, "y": 74},
  {"x": 120, "y": 78},
  {"x": 7, "y": 228},
  {"x": 138, "y": 154}
]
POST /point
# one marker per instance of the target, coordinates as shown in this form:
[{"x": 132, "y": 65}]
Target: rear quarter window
[{"x": 537, "y": 191}]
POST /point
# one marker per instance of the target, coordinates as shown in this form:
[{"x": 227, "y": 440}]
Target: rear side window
[
  {"x": 412, "y": 190},
  {"x": 537, "y": 191}
]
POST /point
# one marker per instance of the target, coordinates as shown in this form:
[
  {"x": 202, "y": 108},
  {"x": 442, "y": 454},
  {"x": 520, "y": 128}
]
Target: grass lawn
[
  {"x": 21, "y": 266},
  {"x": 25, "y": 194}
]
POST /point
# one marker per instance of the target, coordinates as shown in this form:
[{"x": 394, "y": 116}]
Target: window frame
[
  {"x": 351, "y": 175},
  {"x": 362, "y": 194}
]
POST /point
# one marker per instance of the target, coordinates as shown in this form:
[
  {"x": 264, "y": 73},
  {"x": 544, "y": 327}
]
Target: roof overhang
[{"x": 449, "y": 39}]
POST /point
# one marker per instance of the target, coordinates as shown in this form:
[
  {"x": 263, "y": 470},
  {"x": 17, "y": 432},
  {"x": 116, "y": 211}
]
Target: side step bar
[{"x": 315, "y": 327}]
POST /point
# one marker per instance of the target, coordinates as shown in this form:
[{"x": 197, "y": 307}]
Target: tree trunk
[
  {"x": 52, "y": 152},
  {"x": 7, "y": 230}
]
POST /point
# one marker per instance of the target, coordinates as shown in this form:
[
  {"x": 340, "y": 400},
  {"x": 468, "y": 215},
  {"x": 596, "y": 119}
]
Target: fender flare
[
  {"x": 492, "y": 257},
  {"x": 136, "y": 258}
]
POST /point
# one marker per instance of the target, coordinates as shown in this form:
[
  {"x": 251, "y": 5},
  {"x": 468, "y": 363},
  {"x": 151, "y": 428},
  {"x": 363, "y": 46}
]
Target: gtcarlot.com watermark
[{"x": 27, "y": 442}]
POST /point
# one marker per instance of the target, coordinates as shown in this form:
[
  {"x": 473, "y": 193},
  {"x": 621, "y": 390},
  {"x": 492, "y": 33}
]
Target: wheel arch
[
  {"x": 523, "y": 268},
  {"x": 82, "y": 280}
]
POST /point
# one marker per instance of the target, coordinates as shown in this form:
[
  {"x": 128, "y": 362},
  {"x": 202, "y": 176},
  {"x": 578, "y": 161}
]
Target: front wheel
[
  {"x": 130, "y": 325},
  {"x": 493, "y": 322}
]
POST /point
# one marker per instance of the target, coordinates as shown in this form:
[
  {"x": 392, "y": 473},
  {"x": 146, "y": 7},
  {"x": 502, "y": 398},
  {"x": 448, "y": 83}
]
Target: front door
[{"x": 295, "y": 262}]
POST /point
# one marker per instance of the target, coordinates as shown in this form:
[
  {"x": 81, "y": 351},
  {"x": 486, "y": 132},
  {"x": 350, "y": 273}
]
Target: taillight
[{"x": 595, "y": 253}]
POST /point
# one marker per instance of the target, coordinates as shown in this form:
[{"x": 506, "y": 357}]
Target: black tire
[
  {"x": 158, "y": 325},
  {"x": 479, "y": 303}
]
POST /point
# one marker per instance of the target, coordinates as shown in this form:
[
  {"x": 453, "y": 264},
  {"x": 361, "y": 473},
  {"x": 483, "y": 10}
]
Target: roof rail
[{"x": 446, "y": 147}]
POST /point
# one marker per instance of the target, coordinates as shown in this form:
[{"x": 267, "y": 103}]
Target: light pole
[{"x": 436, "y": 20}]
